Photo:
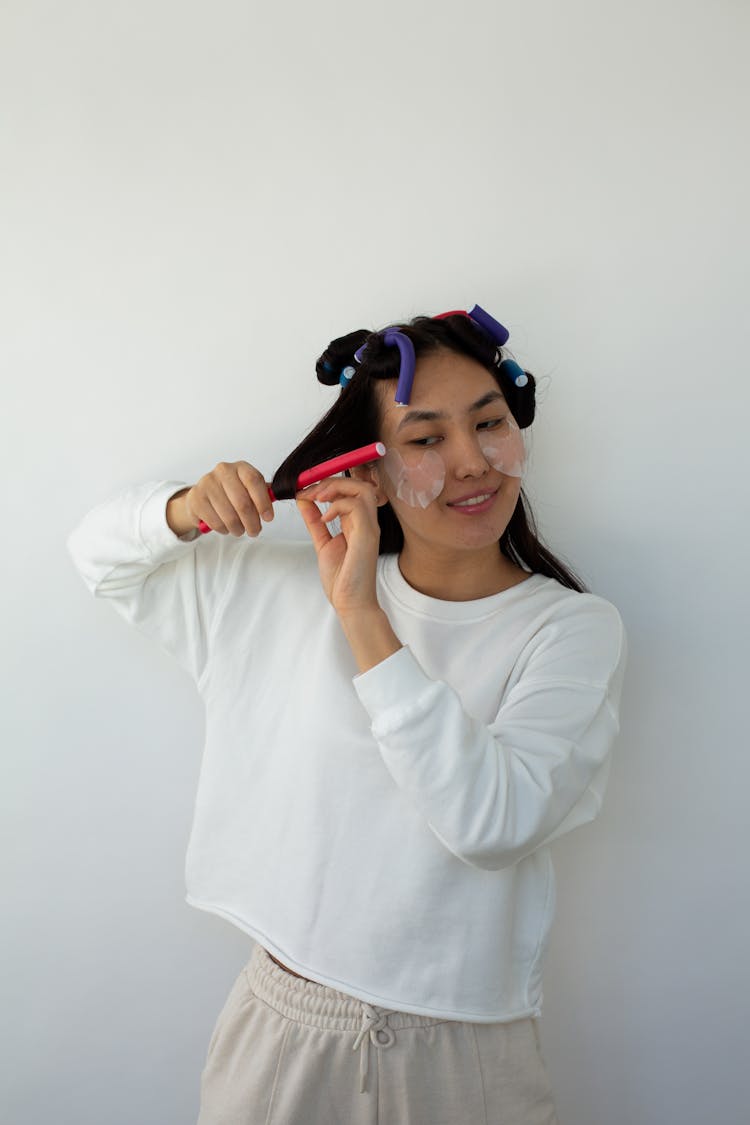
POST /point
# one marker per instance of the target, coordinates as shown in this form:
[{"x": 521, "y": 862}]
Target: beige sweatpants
[{"x": 287, "y": 1051}]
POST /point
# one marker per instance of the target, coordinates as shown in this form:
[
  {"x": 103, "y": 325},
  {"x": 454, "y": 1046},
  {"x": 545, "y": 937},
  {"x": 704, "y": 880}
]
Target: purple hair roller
[
  {"x": 491, "y": 326},
  {"x": 393, "y": 337}
]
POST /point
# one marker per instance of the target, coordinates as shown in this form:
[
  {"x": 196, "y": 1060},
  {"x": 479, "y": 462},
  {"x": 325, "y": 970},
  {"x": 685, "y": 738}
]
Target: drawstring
[{"x": 374, "y": 1027}]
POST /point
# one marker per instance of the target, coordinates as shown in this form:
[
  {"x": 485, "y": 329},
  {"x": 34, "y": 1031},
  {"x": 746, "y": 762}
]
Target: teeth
[{"x": 474, "y": 500}]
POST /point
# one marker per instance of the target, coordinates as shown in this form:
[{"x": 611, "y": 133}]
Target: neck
[{"x": 459, "y": 576}]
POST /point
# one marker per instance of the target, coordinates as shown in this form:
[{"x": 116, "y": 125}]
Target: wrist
[
  {"x": 177, "y": 516},
  {"x": 370, "y": 636}
]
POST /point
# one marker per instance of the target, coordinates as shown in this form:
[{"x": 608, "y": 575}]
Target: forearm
[
  {"x": 370, "y": 637},
  {"x": 492, "y": 794}
]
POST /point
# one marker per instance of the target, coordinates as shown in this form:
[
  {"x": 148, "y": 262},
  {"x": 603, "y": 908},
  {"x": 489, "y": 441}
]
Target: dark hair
[{"x": 354, "y": 420}]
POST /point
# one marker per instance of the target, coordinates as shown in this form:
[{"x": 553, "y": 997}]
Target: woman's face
[{"x": 456, "y": 441}]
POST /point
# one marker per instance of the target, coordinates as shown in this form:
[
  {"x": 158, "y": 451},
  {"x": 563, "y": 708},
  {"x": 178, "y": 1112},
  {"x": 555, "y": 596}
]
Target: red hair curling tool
[{"x": 328, "y": 469}]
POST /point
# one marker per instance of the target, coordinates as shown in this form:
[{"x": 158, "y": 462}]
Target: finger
[
  {"x": 346, "y": 505},
  {"x": 338, "y": 486},
  {"x": 210, "y": 516},
  {"x": 357, "y": 511},
  {"x": 237, "y": 506},
  {"x": 255, "y": 483},
  {"x": 340, "y": 508},
  {"x": 249, "y": 522},
  {"x": 310, "y": 513}
]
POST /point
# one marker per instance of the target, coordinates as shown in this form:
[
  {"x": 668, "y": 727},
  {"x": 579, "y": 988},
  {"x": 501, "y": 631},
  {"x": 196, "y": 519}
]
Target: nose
[{"x": 469, "y": 460}]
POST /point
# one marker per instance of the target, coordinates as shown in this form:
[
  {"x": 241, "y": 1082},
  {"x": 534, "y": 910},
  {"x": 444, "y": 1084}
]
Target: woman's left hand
[{"x": 347, "y": 562}]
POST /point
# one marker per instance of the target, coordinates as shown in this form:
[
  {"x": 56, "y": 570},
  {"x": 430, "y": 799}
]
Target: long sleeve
[
  {"x": 170, "y": 588},
  {"x": 494, "y": 793}
]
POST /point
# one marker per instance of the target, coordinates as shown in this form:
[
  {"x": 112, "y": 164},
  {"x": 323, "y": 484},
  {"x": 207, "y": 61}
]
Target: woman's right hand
[{"x": 232, "y": 499}]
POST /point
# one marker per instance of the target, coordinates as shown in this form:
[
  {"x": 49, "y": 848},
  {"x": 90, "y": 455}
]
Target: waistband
[{"x": 317, "y": 1005}]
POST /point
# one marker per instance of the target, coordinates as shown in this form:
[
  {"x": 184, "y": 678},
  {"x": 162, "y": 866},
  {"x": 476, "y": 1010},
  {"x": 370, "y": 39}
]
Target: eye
[
  {"x": 491, "y": 424},
  {"x": 423, "y": 441}
]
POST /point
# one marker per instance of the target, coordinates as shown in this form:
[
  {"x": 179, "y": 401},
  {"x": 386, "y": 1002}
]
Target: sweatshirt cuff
[
  {"x": 395, "y": 689},
  {"x": 154, "y": 529}
]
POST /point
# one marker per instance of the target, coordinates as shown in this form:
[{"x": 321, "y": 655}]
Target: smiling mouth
[{"x": 474, "y": 501}]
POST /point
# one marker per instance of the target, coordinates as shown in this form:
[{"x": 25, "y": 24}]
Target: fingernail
[{"x": 268, "y": 514}]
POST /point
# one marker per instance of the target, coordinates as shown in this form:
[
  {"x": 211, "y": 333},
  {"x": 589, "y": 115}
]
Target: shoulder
[{"x": 577, "y": 635}]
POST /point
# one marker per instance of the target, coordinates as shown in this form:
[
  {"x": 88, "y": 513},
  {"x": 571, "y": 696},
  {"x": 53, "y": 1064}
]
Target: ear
[{"x": 370, "y": 472}]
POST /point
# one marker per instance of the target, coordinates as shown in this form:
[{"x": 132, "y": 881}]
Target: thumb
[{"x": 318, "y": 530}]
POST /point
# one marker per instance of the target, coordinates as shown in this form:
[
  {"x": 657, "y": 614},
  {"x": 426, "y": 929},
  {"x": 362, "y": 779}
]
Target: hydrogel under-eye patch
[
  {"x": 418, "y": 478},
  {"x": 503, "y": 448}
]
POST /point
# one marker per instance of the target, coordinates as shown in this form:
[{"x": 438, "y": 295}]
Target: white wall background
[{"x": 195, "y": 199}]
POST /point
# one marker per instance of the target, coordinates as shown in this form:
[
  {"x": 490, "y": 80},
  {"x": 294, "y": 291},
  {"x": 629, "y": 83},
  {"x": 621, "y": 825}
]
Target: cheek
[
  {"x": 505, "y": 450},
  {"x": 417, "y": 479}
]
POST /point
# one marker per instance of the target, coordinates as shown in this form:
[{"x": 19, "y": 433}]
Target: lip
[{"x": 475, "y": 508}]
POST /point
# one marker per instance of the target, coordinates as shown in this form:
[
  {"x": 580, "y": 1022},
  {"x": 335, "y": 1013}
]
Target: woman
[{"x": 401, "y": 717}]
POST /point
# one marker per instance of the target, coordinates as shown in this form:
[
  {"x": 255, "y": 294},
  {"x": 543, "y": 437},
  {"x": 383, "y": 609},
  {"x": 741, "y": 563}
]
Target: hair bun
[{"x": 338, "y": 355}]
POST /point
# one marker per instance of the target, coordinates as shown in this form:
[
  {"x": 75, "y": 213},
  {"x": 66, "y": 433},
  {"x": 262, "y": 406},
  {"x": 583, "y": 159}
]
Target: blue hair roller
[{"x": 510, "y": 368}]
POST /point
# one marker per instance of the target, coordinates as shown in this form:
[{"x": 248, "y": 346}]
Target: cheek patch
[
  {"x": 417, "y": 481},
  {"x": 504, "y": 449}
]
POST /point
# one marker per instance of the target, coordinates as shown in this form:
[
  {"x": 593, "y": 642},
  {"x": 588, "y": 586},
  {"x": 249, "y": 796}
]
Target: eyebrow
[{"x": 438, "y": 416}]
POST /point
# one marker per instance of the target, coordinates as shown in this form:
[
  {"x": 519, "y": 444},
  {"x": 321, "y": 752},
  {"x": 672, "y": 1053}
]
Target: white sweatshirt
[{"x": 386, "y": 833}]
